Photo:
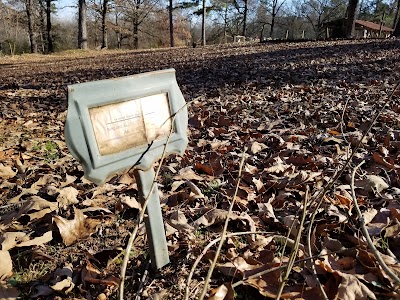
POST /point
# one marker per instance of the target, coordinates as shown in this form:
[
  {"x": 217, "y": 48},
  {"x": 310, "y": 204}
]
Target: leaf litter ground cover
[{"x": 295, "y": 112}]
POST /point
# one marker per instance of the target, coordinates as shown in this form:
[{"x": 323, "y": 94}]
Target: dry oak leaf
[
  {"x": 68, "y": 180},
  {"x": 43, "y": 181},
  {"x": 63, "y": 279},
  {"x": 35, "y": 204},
  {"x": 350, "y": 288},
  {"x": 372, "y": 183},
  {"x": 176, "y": 184},
  {"x": 131, "y": 202},
  {"x": 223, "y": 292},
  {"x": 40, "y": 240},
  {"x": 126, "y": 179},
  {"x": 178, "y": 221},
  {"x": 379, "y": 159},
  {"x": 195, "y": 190},
  {"x": 278, "y": 166},
  {"x": 61, "y": 282},
  {"x": 6, "y": 172},
  {"x": 90, "y": 274},
  {"x": 269, "y": 287},
  {"x": 30, "y": 191},
  {"x": 106, "y": 188},
  {"x": 10, "y": 240},
  {"x": 6, "y": 265},
  {"x": 257, "y": 147},
  {"x": 79, "y": 228},
  {"x": 218, "y": 216},
  {"x": 187, "y": 174},
  {"x": 68, "y": 196},
  {"x": 259, "y": 184}
]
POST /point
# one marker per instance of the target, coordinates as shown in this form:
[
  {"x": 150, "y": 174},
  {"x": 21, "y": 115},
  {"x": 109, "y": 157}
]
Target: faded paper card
[
  {"x": 129, "y": 124},
  {"x": 157, "y": 116}
]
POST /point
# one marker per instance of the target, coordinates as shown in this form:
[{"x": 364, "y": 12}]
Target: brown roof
[{"x": 373, "y": 26}]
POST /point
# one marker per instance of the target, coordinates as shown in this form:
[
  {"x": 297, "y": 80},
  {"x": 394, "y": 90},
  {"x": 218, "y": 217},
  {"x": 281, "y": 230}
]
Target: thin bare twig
[
  {"x": 212, "y": 243},
  {"x": 282, "y": 267},
  {"x": 224, "y": 231},
  {"x": 279, "y": 238},
  {"x": 142, "y": 212},
  {"x": 342, "y": 120},
  {"x": 320, "y": 195},
  {"x": 295, "y": 249},
  {"x": 364, "y": 230},
  {"x": 143, "y": 280}
]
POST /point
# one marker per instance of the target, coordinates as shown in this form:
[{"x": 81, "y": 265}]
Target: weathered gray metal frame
[
  {"x": 81, "y": 141},
  {"x": 79, "y": 130}
]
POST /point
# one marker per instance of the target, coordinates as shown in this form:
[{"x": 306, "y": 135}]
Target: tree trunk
[
  {"x": 396, "y": 23},
  {"x": 203, "y": 25},
  {"x": 351, "y": 19},
  {"x": 118, "y": 32},
  {"x": 135, "y": 33},
  {"x": 42, "y": 34},
  {"x": 226, "y": 25},
  {"x": 104, "y": 40},
  {"x": 31, "y": 25},
  {"x": 82, "y": 28},
  {"x": 171, "y": 24},
  {"x": 50, "y": 48},
  {"x": 244, "y": 31},
  {"x": 271, "y": 32},
  {"x": 262, "y": 32}
]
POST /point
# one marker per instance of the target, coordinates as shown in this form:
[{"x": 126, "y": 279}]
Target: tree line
[{"x": 38, "y": 26}]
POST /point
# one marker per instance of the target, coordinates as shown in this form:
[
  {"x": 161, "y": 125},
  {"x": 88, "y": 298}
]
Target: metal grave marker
[{"x": 115, "y": 124}]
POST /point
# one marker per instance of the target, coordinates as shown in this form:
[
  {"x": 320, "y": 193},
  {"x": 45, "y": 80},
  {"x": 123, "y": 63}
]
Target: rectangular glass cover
[{"x": 124, "y": 125}]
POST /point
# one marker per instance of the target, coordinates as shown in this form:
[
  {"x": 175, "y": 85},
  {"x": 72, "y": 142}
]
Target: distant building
[{"x": 363, "y": 29}]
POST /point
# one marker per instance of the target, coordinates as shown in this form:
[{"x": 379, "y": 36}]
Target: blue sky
[{"x": 65, "y": 11}]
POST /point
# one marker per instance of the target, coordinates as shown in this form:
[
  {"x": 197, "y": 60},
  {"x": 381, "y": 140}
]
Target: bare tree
[
  {"x": 171, "y": 23},
  {"x": 30, "y": 9},
  {"x": 9, "y": 28},
  {"x": 245, "y": 12},
  {"x": 223, "y": 11},
  {"x": 396, "y": 23},
  {"x": 242, "y": 9},
  {"x": 104, "y": 11},
  {"x": 82, "y": 27},
  {"x": 49, "y": 37},
  {"x": 351, "y": 18},
  {"x": 136, "y": 12},
  {"x": 318, "y": 12},
  {"x": 203, "y": 24},
  {"x": 274, "y": 9}
]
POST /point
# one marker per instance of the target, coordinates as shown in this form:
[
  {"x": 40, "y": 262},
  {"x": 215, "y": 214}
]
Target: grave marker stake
[
  {"x": 115, "y": 124},
  {"x": 153, "y": 221}
]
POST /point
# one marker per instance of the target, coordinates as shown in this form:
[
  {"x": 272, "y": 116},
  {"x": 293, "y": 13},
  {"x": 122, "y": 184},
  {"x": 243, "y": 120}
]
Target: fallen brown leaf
[
  {"x": 68, "y": 196},
  {"x": 6, "y": 265},
  {"x": 223, "y": 292},
  {"x": 6, "y": 172},
  {"x": 77, "y": 229}
]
